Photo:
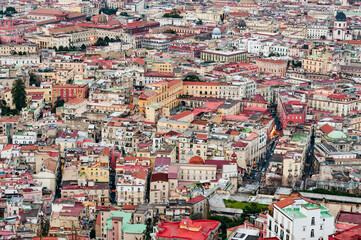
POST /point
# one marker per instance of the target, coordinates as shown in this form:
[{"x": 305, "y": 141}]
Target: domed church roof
[
  {"x": 216, "y": 31},
  {"x": 196, "y": 160},
  {"x": 242, "y": 24},
  {"x": 340, "y": 16},
  {"x": 103, "y": 19}
]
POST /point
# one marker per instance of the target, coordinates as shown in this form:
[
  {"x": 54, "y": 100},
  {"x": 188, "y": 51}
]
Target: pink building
[{"x": 274, "y": 67}]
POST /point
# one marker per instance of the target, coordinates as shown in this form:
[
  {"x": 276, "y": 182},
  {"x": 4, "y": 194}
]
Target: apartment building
[
  {"x": 273, "y": 67},
  {"x": 131, "y": 184},
  {"x": 299, "y": 219},
  {"x": 340, "y": 104}
]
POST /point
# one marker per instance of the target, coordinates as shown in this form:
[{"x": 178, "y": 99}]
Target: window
[
  {"x": 312, "y": 233},
  {"x": 313, "y": 221}
]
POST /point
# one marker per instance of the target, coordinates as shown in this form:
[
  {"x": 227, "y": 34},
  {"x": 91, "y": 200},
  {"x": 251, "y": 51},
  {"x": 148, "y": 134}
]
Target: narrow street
[
  {"x": 259, "y": 171},
  {"x": 59, "y": 178},
  {"x": 112, "y": 182},
  {"x": 307, "y": 171}
]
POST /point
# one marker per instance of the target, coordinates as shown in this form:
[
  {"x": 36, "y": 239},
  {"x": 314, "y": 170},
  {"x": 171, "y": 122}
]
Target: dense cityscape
[{"x": 180, "y": 120}]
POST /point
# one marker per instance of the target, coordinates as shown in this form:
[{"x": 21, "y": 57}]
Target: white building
[
  {"x": 19, "y": 60},
  {"x": 171, "y": 21},
  {"x": 340, "y": 30},
  {"x": 317, "y": 32},
  {"x": 299, "y": 219},
  {"x": 282, "y": 50},
  {"x": 255, "y": 46},
  {"x": 24, "y": 138}
]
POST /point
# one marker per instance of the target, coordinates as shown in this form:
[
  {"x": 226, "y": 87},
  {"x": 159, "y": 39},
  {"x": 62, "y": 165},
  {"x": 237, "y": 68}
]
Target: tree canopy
[
  {"x": 192, "y": 78},
  {"x": 108, "y": 11},
  {"x": 199, "y": 22},
  {"x": 173, "y": 14},
  {"x": 19, "y": 94}
]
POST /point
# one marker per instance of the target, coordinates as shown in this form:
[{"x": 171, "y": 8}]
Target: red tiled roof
[
  {"x": 172, "y": 230},
  {"x": 239, "y": 144},
  {"x": 352, "y": 233},
  {"x": 196, "y": 199},
  {"x": 271, "y": 61},
  {"x": 327, "y": 128},
  {"x": 201, "y": 83},
  {"x": 140, "y": 24},
  {"x": 139, "y": 60},
  {"x": 158, "y": 74},
  {"x": 349, "y": 217},
  {"x": 338, "y": 95},
  {"x": 76, "y": 101},
  {"x": 182, "y": 115},
  {"x": 159, "y": 177},
  {"x": 285, "y": 202},
  {"x": 129, "y": 207}
]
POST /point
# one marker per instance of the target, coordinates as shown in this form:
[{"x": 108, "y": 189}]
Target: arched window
[
  {"x": 312, "y": 233},
  {"x": 313, "y": 221}
]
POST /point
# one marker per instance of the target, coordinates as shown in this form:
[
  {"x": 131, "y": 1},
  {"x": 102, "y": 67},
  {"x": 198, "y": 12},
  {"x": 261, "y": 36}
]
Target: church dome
[
  {"x": 337, "y": 135},
  {"x": 340, "y": 16},
  {"x": 242, "y": 24},
  {"x": 196, "y": 160},
  {"x": 103, "y": 19},
  {"x": 216, "y": 31},
  {"x": 338, "y": 3}
]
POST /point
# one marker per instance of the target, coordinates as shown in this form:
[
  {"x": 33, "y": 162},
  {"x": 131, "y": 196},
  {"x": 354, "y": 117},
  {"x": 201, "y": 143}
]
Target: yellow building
[
  {"x": 165, "y": 125},
  {"x": 98, "y": 172},
  {"x": 8, "y": 97},
  {"x": 9, "y": 49},
  {"x": 201, "y": 89},
  {"x": 316, "y": 63},
  {"x": 164, "y": 67},
  {"x": 46, "y": 91},
  {"x": 46, "y": 41},
  {"x": 77, "y": 66},
  {"x": 164, "y": 93}
]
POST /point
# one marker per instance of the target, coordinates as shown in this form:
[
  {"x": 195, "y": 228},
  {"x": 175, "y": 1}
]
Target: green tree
[
  {"x": 83, "y": 47},
  {"x": 101, "y": 42},
  {"x": 108, "y": 11},
  {"x": 191, "y": 78},
  {"x": 32, "y": 79},
  {"x": 173, "y": 14},
  {"x": 61, "y": 48},
  {"x": 58, "y": 103},
  {"x": 170, "y": 31},
  {"x": 19, "y": 94},
  {"x": 199, "y": 22},
  {"x": 222, "y": 17},
  {"x": 148, "y": 230},
  {"x": 92, "y": 234},
  {"x": 10, "y": 10}
]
